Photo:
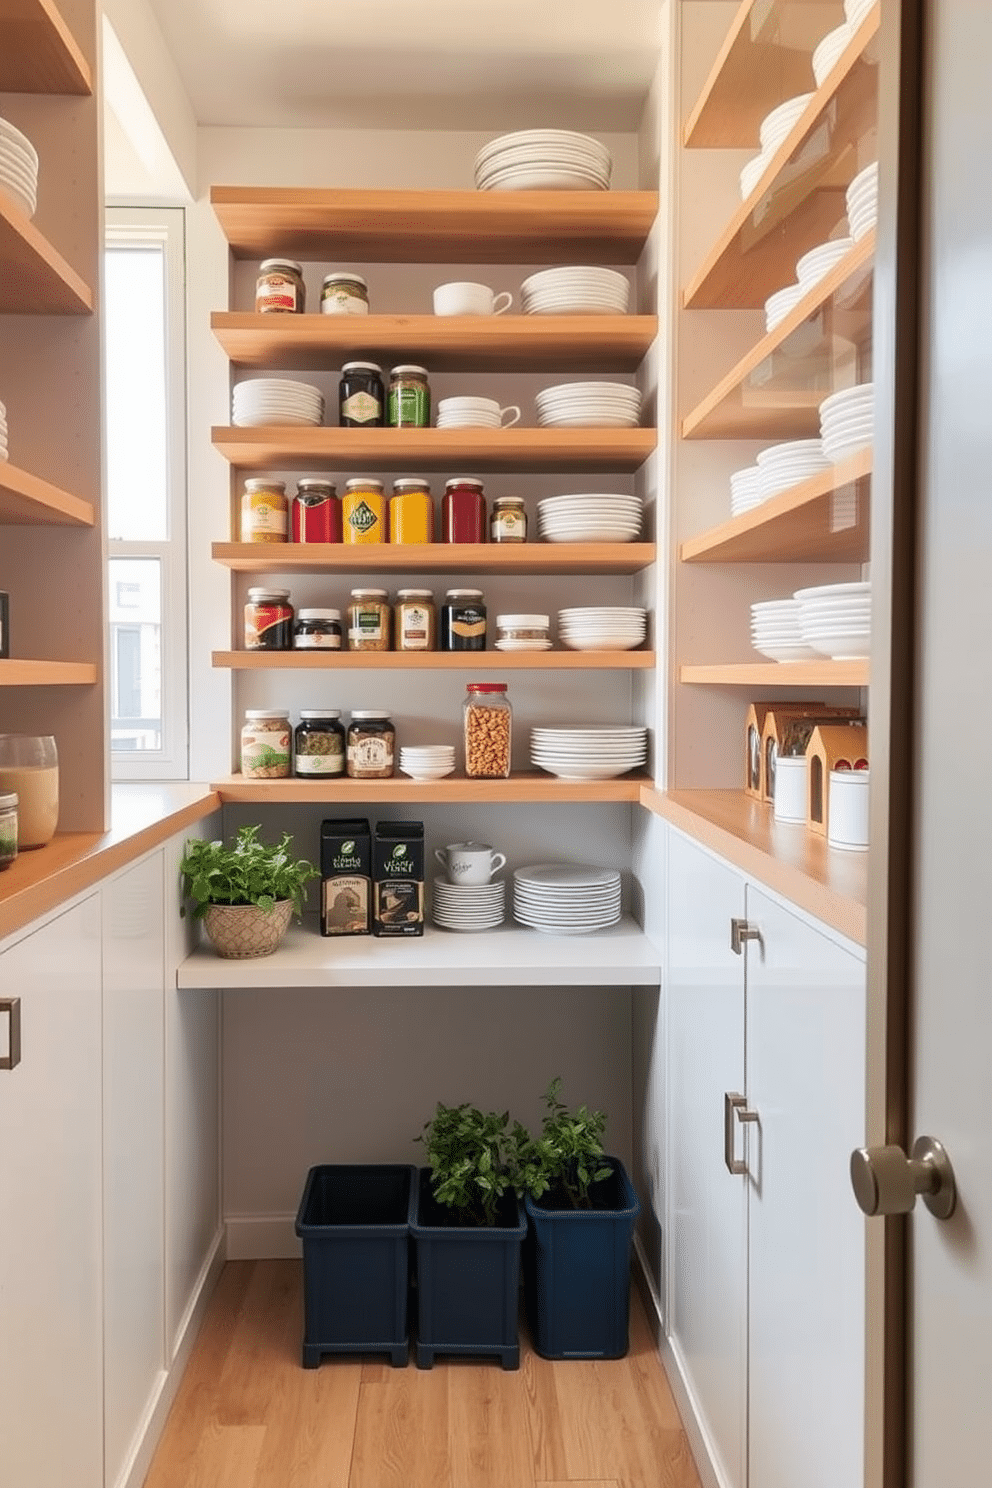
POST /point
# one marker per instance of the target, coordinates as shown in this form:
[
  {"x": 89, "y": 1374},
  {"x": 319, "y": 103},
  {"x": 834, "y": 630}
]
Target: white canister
[
  {"x": 847, "y": 820},
  {"x": 790, "y": 787}
]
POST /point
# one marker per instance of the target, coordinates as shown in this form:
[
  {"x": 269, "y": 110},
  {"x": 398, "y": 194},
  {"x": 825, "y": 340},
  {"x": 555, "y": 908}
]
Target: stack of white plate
[
  {"x": 778, "y": 305},
  {"x": 427, "y": 761},
  {"x": 862, "y": 201},
  {"x": 589, "y": 405},
  {"x": 575, "y": 291},
  {"x": 776, "y": 631},
  {"x": 836, "y": 619},
  {"x": 469, "y": 906},
  {"x": 543, "y": 160},
  {"x": 590, "y": 518},
  {"x": 829, "y": 50},
  {"x": 602, "y": 628},
  {"x": 18, "y": 169},
  {"x": 3, "y": 432},
  {"x": 746, "y": 489},
  {"x": 566, "y": 899},
  {"x": 785, "y": 465},
  {"x": 774, "y": 128},
  {"x": 847, "y": 421},
  {"x": 594, "y": 752},
  {"x": 856, "y": 10},
  {"x": 818, "y": 262},
  {"x": 276, "y": 400}
]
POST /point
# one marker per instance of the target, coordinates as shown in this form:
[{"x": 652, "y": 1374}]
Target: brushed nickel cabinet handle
[
  {"x": 12, "y": 1007},
  {"x": 734, "y": 1109}
]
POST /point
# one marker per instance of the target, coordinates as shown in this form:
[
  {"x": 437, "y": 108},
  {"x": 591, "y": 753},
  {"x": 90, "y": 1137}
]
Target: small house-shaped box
[
  {"x": 831, "y": 747},
  {"x": 786, "y": 729}
]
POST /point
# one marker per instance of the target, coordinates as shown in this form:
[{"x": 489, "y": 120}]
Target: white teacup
[
  {"x": 469, "y": 862},
  {"x": 461, "y": 297},
  {"x": 478, "y": 413}
]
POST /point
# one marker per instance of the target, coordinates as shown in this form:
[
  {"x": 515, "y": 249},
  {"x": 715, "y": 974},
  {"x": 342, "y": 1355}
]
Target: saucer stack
[
  {"x": 469, "y": 906},
  {"x": 589, "y": 405},
  {"x": 847, "y": 421},
  {"x": 785, "y": 465},
  {"x": 18, "y": 169},
  {"x": 746, "y": 489},
  {"x": 276, "y": 400},
  {"x": 589, "y": 753},
  {"x": 575, "y": 291},
  {"x": 778, "y": 305},
  {"x": 543, "y": 160},
  {"x": 472, "y": 413},
  {"x": 602, "y": 628},
  {"x": 561, "y": 899},
  {"x": 590, "y": 518},
  {"x": 427, "y": 761},
  {"x": 776, "y": 631},
  {"x": 774, "y": 128},
  {"x": 862, "y": 201},
  {"x": 3, "y": 432},
  {"x": 818, "y": 262},
  {"x": 836, "y": 619}
]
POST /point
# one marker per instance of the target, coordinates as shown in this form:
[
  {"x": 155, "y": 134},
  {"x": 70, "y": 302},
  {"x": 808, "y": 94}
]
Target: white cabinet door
[
  {"x": 708, "y": 1206},
  {"x": 134, "y": 1155},
  {"x": 806, "y": 1080},
  {"x": 51, "y": 1392}
]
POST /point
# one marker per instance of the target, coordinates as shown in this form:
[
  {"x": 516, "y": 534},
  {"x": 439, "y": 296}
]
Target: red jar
[
  {"x": 463, "y": 511},
  {"x": 316, "y": 512}
]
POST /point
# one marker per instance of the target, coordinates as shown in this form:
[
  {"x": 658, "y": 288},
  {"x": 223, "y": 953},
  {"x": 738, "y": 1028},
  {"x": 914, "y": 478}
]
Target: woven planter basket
[{"x": 243, "y": 930}]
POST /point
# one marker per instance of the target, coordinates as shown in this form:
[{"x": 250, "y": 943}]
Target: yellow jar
[
  {"x": 364, "y": 518},
  {"x": 264, "y": 511},
  {"x": 411, "y": 512}
]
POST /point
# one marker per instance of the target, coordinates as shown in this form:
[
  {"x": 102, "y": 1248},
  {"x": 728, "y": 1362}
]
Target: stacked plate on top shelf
[
  {"x": 847, "y": 421},
  {"x": 3, "y": 432},
  {"x": 773, "y": 130},
  {"x": 589, "y": 405},
  {"x": 785, "y": 465},
  {"x": 590, "y": 518},
  {"x": 817, "y": 263},
  {"x": 862, "y": 201},
  {"x": 543, "y": 160},
  {"x": 602, "y": 627},
  {"x": 778, "y": 305},
  {"x": 566, "y": 899},
  {"x": 575, "y": 291},
  {"x": 276, "y": 400},
  {"x": 468, "y": 906},
  {"x": 829, "y": 51},
  {"x": 18, "y": 169},
  {"x": 776, "y": 631},
  {"x": 835, "y": 619},
  {"x": 427, "y": 761},
  {"x": 746, "y": 490},
  {"x": 593, "y": 752}
]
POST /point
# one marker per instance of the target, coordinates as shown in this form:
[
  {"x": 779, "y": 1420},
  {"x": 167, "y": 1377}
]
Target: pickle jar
[
  {"x": 508, "y": 521},
  {"x": 361, "y": 396},
  {"x": 369, "y": 617},
  {"x": 266, "y": 740},
  {"x": 415, "y": 620},
  {"x": 408, "y": 401},
  {"x": 318, "y": 743},
  {"x": 364, "y": 517},
  {"x": 371, "y": 744},
  {"x": 488, "y": 722},
  {"x": 411, "y": 512}
]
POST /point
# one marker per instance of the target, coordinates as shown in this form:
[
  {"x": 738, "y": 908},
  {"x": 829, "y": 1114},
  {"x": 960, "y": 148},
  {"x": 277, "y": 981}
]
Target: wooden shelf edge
[
  {"x": 20, "y": 673},
  {"x": 458, "y": 789},
  {"x": 510, "y": 558},
  {"x": 713, "y": 77},
  {"x": 828, "y": 883},
  {"x": 777, "y": 674},
  {"x": 26, "y": 499},
  {"x": 44, "y": 267},
  {"x": 438, "y": 661},
  {"x": 57, "y": 43}
]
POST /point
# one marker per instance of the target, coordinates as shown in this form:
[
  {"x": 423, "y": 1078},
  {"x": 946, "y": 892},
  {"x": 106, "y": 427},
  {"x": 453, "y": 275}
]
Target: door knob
[{"x": 886, "y": 1181}]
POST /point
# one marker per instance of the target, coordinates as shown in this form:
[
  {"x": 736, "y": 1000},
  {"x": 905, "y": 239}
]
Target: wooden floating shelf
[
  {"x": 28, "y": 501},
  {"x": 427, "y": 558},
  {"x": 324, "y": 224},
  {"x": 779, "y": 674},
  {"x": 743, "y": 407},
  {"x": 435, "y": 661},
  {"x": 825, "y": 519},
  {"x": 457, "y": 789},
  {"x": 39, "y": 53},
  {"x": 449, "y": 343},
  {"x": 36, "y": 278},
  {"x": 280, "y": 447},
  {"x": 793, "y": 209},
  {"x": 18, "y": 673}
]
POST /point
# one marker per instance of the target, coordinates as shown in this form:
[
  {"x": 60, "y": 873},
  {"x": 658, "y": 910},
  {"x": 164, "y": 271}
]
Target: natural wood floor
[{"x": 249, "y": 1416}]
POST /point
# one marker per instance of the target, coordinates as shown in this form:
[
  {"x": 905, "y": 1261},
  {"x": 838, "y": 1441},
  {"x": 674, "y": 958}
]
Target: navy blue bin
[{"x": 354, "y": 1221}]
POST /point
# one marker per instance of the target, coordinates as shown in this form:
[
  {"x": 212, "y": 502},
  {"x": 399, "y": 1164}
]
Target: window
[{"x": 145, "y": 441}]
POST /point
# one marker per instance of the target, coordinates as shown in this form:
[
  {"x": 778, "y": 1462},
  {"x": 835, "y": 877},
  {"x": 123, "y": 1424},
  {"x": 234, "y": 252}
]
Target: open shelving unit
[
  {"x": 436, "y": 558},
  {"x": 37, "y": 280},
  {"x": 778, "y": 674},
  {"x": 442, "y": 661},
  {"x": 20, "y": 672},
  {"x": 40, "y": 53},
  {"x": 522, "y": 786}
]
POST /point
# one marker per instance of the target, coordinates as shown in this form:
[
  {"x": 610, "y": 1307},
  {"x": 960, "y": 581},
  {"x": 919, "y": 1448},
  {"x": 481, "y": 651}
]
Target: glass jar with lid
[
  {"x": 371, "y": 744},
  {"x": 319, "y": 743},
  {"x": 317, "y": 630},
  {"x": 268, "y": 620},
  {"x": 463, "y": 511},
  {"x": 8, "y": 828},
  {"x": 369, "y": 617},
  {"x": 508, "y": 522},
  {"x": 361, "y": 396},
  {"x": 279, "y": 288},
  {"x": 408, "y": 401},
  {"x": 264, "y": 511},
  {"x": 411, "y": 511},
  {"x": 344, "y": 294},
  {"x": 316, "y": 511},
  {"x": 266, "y": 740},
  {"x": 364, "y": 517},
  {"x": 488, "y": 722},
  {"x": 415, "y": 620},
  {"x": 463, "y": 621}
]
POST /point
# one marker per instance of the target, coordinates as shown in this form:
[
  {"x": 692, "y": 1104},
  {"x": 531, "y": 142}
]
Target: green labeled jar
[{"x": 408, "y": 402}]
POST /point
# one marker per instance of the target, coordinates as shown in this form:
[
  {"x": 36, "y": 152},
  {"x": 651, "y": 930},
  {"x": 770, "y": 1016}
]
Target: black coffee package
[
  {"x": 346, "y": 876},
  {"x": 398, "y": 878}
]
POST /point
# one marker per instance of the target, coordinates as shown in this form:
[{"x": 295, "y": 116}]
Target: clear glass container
[
  {"x": 266, "y": 744},
  {"x": 488, "y": 720},
  {"x": 319, "y": 743},
  {"x": 8, "y": 829},
  {"x": 29, "y": 769}
]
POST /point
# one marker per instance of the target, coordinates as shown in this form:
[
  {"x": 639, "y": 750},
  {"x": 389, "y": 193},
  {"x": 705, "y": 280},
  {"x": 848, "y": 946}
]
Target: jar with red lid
[
  {"x": 316, "y": 515},
  {"x": 488, "y": 727},
  {"x": 463, "y": 511}
]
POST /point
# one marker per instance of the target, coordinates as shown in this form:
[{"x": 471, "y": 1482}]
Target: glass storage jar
[
  {"x": 408, "y": 401},
  {"x": 415, "y": 620},
  {"x": 411, "y": 512},
  {"x": 369, "y": 618},
  {"x": 316, "y": 511},
  {"x": 488, "y": 727},
  {"x": 508, "y": 522},
  {"x": 264, "y": 511},
  {"x": 268, "y": 620},
  {"x": 361, "y": 396},
  {"x": 317, "y": 630},
  {"x": 266, "y": 738},
  {"x": 463, "y": 621},
  {"x": 318, "y": 742},
  {"x": 8, "y": 828},
  {"x": 371, "y": 744},
  {"x": 344, "y": 294},
  {"x": 463, "y": 511},
  {"x": 279, "y": 288},
  {"x": 364, "y": 518}
]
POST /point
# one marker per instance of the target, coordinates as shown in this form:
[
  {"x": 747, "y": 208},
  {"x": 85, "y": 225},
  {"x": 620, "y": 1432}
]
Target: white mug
[
  {"x": 790, "y": 787},
  {"x": 847, "y": 818},
  {"x": 483, "y": 413},
  {"x": 461, "y": 297},
  {"x": 469, "y": 862}
]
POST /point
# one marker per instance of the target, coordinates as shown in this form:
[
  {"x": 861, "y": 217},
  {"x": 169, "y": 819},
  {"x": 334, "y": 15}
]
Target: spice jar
[
  {"x": 317, "y": 630},
  {"x": 488, "y": 719},
  {"x": 409, "y": 399},
  {"x": 411, "y": 512},
  {"x": 361, "y": 397},
  {"x": 265, "y": 744},
  {"x": 363, "y": 511},
  {"x": 344, "y": 294},
  {"x": 371, "y": 744},
  {"x": 318, "y": 743},
  {"x": 508, "y": 522},
  {"x": 316, "y": 511},
  {"x": 463, "y": 511},
  {"x": 415, "y": 620},
  {"x": 8, "y": 828},
  {"x": 368, "y": 620},
  {"x": 264, "y": 509},
  {"x": 268, "y": 620},
  {"x": 463, "y": 621},
  {"x": 279, "y": 288}
]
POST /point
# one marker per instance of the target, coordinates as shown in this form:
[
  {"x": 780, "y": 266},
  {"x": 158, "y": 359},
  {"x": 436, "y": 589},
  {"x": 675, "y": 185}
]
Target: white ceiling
[{"x": 427, "y": 64}]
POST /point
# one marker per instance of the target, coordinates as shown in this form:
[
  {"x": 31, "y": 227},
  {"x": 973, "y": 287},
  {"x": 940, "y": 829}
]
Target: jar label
[
  {"x": 341, "y": 301},
  {"x": 263, "y": 516},
  {"x": 415, "y": 628},
  {"x": 320, "y": 764},
  {"x": 362, "y": 518},
  {"x": 316, "y": 641},
  {"x": 468, "y": 622},
  {"x": 275, "y": 292},
  {"x": 410, "y": 406},
  {"x": 361, "y": 408},
  {"x": 371, "y": 752},
  {"x": 264, "y": 753},
  {"x": 366, "y": 625},
  {"x": 267, "y": 626},
  {"x": 509, "y": 525}
]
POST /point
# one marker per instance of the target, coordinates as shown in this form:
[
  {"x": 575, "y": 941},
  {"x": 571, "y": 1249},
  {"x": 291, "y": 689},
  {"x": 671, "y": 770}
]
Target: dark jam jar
[
  {"x": 463, "y": 511},
  {"x": 361, "y": 396},
  {"x": 316, "y": 516},
  {"x": 318, "y": 746},
  {"x": 268, "y": 620},
  {"x": 463, "y": 621}
]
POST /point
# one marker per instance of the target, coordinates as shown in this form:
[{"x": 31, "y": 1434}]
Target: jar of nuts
[{"x": 488, "y": 720}]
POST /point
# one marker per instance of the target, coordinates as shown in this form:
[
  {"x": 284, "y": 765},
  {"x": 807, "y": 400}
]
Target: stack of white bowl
[
  {"x": 773, "y": 130},
  {"x": 543, "y": 160},
  {"x": 862, "y": 201},
  {"x": 589, "y": 405},
  {"x": 829, "y": 51},
  {"x": 566, "y": 899},
  {"x": 776, "y": 631},
  {"x": 835, "y": 619},
  {"x": 18, "y": 169},
  {"x": 746, "y": 489},
  {"x": 467, "y": 412},
  {"x": 427, "y": 761},
  {"x": 593, "y": 752},
  {"x": 602, "y": 627},
  {"x": 847, "y": 421},
  {"x": 276, "y": 400},
  {"x": 590, "y": 518},
  {"x": 785, "y": 465},
  {"x": 3, "y": 432},
  {"x": 468, "y": 906},
  {"x": 575, "y": 291}
]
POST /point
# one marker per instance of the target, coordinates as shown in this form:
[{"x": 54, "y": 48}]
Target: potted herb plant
[
  {"x": 246, "y": 892},
  {"x": 468, "y": 1229},
  {"x": 582, "y": 1208}
]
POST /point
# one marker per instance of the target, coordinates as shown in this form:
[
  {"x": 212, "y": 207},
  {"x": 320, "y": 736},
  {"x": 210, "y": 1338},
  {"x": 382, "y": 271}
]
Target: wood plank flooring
[{"x": 247, "y": 1414}]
